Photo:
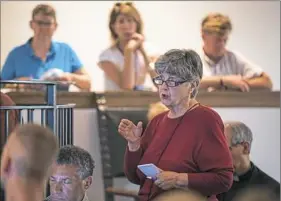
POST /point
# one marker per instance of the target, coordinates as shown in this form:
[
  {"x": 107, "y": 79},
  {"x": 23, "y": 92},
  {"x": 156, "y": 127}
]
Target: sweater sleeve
[
  {"x": 213, "y": 158},
  {"x": 131, "y": 162},
  {"x": 132, "y": 159}
]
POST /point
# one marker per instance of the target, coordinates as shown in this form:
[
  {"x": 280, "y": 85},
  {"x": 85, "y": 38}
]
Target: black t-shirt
[{"x": 254, "y": 178}]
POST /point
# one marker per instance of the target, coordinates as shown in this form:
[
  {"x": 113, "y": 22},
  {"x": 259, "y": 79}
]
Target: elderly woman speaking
[{"x": 186, "y": 142}]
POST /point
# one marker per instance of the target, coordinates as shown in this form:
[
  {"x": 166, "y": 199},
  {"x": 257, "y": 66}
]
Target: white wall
[{"x": 168, "y": 25}]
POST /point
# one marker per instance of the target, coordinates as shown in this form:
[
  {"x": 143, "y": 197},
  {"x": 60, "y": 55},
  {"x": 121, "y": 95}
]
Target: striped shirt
[
  {"x": 232, "y": 63},
  {"x": 50, "y": 198}
]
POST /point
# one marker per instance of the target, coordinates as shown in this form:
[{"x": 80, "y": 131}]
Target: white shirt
[
  {"x": 114, "y": 55},
  {"x": 232, "y": 63}
]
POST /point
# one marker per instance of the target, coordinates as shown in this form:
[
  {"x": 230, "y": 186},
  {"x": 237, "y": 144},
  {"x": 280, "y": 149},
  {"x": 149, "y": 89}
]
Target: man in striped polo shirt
[{"x": 225, "y": 69}]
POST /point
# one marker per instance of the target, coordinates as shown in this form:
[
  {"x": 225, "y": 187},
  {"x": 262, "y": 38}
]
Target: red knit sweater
[{"x": 193, "y": 144}]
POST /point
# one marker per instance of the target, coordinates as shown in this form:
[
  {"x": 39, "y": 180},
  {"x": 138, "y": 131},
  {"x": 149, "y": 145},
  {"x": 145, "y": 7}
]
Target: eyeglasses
[
  {"x": 42, "y": 23},
  {"x": 170, "y": 83}
]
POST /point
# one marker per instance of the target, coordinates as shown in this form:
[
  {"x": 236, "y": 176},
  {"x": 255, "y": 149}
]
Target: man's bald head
[
  {"x": 29, "y": 152},
  {"x": 180, "y": 195}
]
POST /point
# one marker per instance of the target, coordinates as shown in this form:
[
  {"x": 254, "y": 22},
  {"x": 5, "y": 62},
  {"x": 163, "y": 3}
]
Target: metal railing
[{"x": 59, "y": 118}]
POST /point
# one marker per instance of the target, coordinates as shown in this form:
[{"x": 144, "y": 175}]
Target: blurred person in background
[
  {"x": 41, "y": 54},
  {"x": 128, "y": 63},
  {"x": 180, "y": 195},
  {"x": 26, "y": 162},
  {"x": 224, "y": 68},
  {"x": 246, "y": 173}
]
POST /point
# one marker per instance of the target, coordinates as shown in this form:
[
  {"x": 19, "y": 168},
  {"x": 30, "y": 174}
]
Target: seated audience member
[
  {"x": 26, "y": 161},
  {"x": 72, "y": 175},
  {"x": 246, "y": 173},
  {"x": 186, "y": 143},
  {"x": 5, "y": 100},
  {"x": 127, "y": 63},
  {"x": 40, "y": 54},
  {"x": 223, "y": 68},
  {"x": 180, "y": 195}
]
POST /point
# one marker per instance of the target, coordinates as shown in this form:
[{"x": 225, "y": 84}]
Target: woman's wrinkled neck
[{"x": 181, "y": 108}]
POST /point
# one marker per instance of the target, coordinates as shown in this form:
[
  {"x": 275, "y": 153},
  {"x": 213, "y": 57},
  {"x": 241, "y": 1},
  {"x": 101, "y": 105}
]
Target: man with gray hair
[
  {"x": 246, "y": 173},
  {"x": 72, "y": 175}
]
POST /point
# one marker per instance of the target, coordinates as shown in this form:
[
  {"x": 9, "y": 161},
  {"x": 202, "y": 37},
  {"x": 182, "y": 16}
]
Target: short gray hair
[
  {"x": 183, "y": 63},
  {"x": 240, "y": 132},
  {"x": 76, "y": 156}
]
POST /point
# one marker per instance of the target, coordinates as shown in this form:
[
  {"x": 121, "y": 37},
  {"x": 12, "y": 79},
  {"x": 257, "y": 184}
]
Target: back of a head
[
  {"x": 180, "y": 195},
  {"x": 37, "y": 151}
]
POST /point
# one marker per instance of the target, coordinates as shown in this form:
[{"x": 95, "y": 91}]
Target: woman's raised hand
[{"x": 130, "y": 131}]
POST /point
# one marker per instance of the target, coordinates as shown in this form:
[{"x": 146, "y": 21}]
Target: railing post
[{"x": 51, "y": 99}]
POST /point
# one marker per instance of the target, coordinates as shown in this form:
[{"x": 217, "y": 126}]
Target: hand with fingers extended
[{"x": 131, "y": 132}]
